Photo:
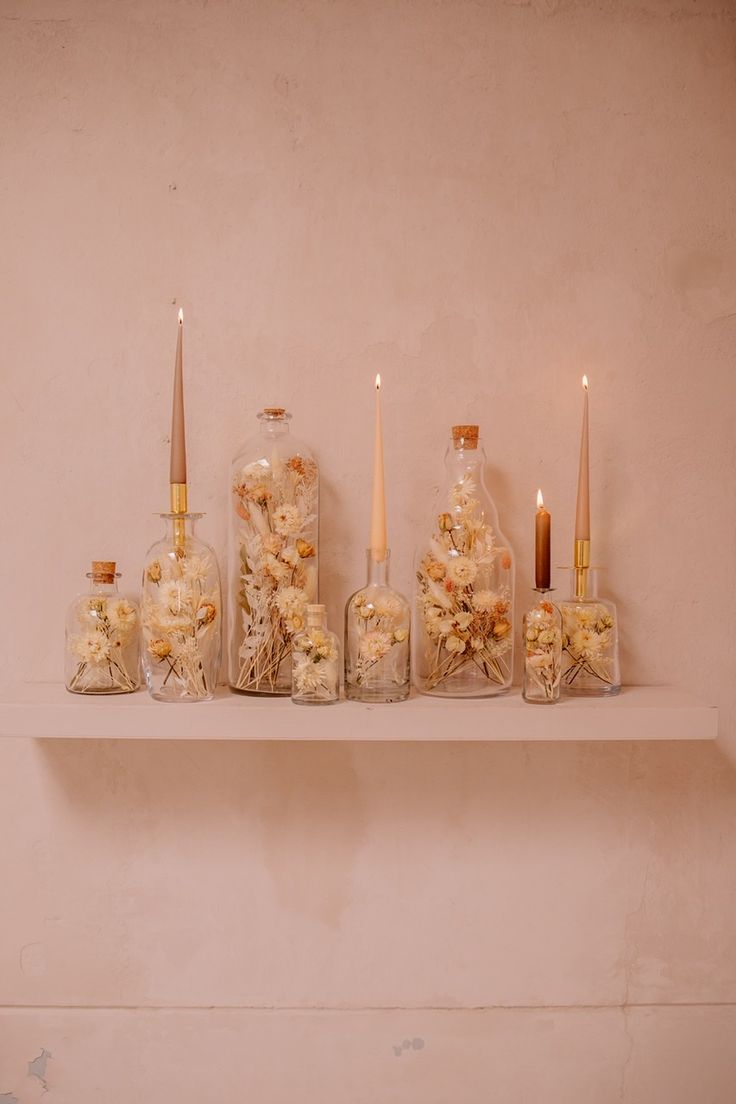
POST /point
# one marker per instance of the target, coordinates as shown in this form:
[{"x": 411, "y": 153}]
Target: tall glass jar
[
  {"x": 464, "y": 605},
  {"x": 181, "y": 614},
  {"x": 377, "y": 631},
  {"x": 273, "y": 557},
  {"x": 315, "y": 674},
  {"x": 542, "y": 642},
  {"x": 590, "y": 664},
  {"x": 102, "y": 653}
]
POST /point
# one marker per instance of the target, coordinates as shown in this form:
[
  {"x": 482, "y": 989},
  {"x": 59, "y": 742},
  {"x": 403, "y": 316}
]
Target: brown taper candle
[{"x": 542, "y": 530}]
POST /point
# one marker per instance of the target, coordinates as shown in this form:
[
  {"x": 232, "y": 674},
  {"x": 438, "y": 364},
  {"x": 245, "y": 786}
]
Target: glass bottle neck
[
  {"x": 316, "y": 621},
  {"x": 103, "y": 590},
  {"x": 179, "y": 527},
  {"x": 465, "y": 461},
  {"x": 377, "y": 570}
]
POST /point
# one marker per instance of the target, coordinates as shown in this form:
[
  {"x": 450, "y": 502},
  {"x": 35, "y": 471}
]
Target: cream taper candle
[
  {"x": 379, "y": 541},
  {"x": 178, "y": 464},
  {"x": 582, "y": 513}
]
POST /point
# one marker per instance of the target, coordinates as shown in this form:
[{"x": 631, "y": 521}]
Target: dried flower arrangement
[{"x": 276, "y": 507}]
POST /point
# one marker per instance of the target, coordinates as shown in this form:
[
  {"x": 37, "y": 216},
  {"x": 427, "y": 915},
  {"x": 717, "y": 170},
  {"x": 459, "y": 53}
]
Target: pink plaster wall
[{"x": 481, "y": 201}]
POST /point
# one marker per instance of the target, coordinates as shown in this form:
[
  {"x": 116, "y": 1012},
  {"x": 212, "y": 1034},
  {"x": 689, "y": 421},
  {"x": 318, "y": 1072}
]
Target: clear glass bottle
[
  {"x": 377, "y": 634},
  {"x": 273, "y": 556},
  {"x": 181, "y": 614},
  {"x": 542, "y": 640},
  {"x": 102, "y": 653},
  {"x": 464, "y": 604},
  {"x": 590, "y": 664},
  {"x": 315, "y": 661}
]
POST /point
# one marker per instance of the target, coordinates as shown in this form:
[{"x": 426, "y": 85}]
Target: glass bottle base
[
  {"x": 102, "y": 693},
  {"x": 540, "y": 701},
  {"x": 374, "y": 695},
  {"x": 315, "y": 701},
  {"x": 285, "y": 693},
  {"x": 590, "y": 691},
  {"x": 458, "y": 695},
  {"x": 169, "y": 700}
]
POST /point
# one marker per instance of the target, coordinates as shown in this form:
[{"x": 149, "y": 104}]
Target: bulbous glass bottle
[
  {"x": 102, "y": 653},
  {"x": 590, "y": 663},
  {"x": 273, "y": 554},
  {"x": 464, "y": 601},
  {"x": 181, "y": 614},
  {"x": 377, "y": 648},
  {"x": 315, "y": 662}
]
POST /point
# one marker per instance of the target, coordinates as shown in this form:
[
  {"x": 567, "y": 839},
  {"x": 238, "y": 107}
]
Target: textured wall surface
[{"x": 481, "y": 201}]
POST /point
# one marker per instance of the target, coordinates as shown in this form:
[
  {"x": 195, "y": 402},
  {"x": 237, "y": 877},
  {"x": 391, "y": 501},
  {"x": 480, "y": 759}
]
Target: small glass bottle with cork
[
  {"x": 102, "y": 652},
  {"x": 315, "y": 661}
]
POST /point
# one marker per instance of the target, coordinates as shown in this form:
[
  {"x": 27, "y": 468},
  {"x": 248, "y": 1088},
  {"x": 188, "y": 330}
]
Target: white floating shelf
[{"x": 638, "y": 713}]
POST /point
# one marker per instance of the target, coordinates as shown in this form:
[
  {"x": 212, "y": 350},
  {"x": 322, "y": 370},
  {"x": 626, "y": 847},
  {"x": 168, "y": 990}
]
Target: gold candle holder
[
  {"x": 582, "y": 566},
  {"x": 179, "y": 506}
]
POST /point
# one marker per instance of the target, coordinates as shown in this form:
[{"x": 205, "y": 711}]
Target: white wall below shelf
[{"x": 638, "y": 713}]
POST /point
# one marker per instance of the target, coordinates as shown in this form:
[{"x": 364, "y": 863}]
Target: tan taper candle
[
  {"x": 379, "y": 542},
  {"x": 178, "y": 466},
  {"x": 582, "y": 514}
]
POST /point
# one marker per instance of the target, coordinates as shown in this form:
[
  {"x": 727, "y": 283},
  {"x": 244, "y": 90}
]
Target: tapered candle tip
[
  {"x": 181, "y": 316},
  {"x": 585, "y": 383},
  {"x": 540, "y": 500},
  {"x": 378, "y": 382}
]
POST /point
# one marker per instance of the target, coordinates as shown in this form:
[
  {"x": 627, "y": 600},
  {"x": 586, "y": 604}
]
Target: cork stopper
[
  {"x": 465, "y": 436},
  {"x": 103, "y": 571},
  {"x": 274, "y": 412},
  {"x": 315, "y": 614}
]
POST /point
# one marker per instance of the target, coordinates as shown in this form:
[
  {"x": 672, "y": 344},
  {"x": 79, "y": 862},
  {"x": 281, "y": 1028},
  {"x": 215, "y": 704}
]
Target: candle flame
[
  {"x": 181, "y": 316},
  {"x": 585, "y": 383},
  {"x": 540, "y": 500},
  {"x": 378, "y": 382}
]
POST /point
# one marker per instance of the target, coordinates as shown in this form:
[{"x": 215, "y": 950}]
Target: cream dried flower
[
  {"x": 400, "y": 635},
  {"x": 462, "y": 570},
  {"x": 484, "y": 600},
  {"x": 153, "y": 571},
  {"x": 273, "y": 543},
  {"x": 206, "y": 613},
  {"x": 291, "y": 602},
  {"x": 194, "y": 569},
  {"x": 93, "y": 648},
  {"x": 159, "y": 648},
  {"x": 375, "y": 645},
  {"x": 122, "y": 615},
  {"x": 287, "y": 520},
  {"x": 455, "y": 644}
]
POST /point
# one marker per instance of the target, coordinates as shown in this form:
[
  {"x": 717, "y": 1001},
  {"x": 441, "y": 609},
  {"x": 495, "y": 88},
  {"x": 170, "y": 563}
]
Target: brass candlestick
[
  {"x": 179, "y": 506},
  {"x": 581, "y": 565}
]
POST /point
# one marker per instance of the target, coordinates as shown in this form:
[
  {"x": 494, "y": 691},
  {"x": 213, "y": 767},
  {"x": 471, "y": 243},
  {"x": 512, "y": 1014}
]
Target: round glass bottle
[
  {"x": 542, "y": 641},
  {"x": 464, "y": 605},
  {"x": 377, "y": 630},
  {"x": 181, "y": 614},
  {"x": 590, "y": 664},
  {"x": 102, "y": 653},
  {"x": 273, "y": 554},
  {"x": 315, "y": 661}
]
